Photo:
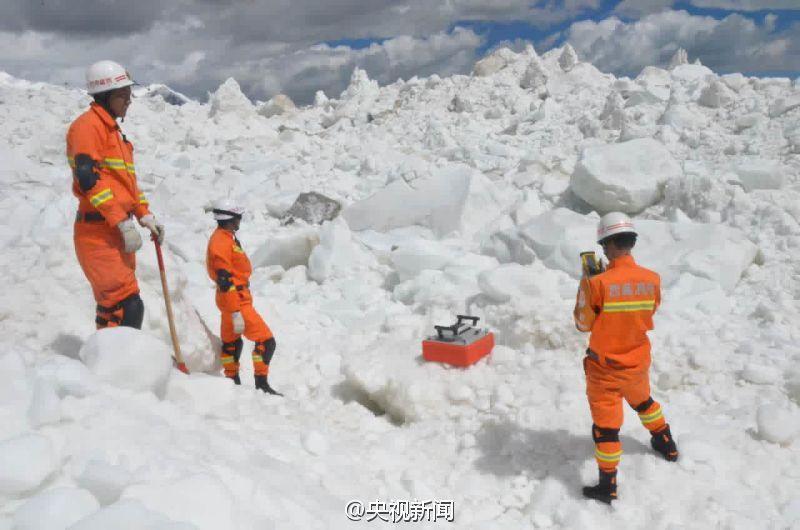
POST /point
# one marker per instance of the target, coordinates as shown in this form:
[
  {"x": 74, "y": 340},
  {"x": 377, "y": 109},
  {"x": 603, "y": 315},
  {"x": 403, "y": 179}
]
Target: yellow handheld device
[{"x": 590, "y": 264}]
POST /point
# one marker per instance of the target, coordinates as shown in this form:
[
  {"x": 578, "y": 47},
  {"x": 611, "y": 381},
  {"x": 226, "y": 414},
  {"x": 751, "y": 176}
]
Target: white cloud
[
  {"x": 81, "y": 16},
  {"x": 184, "y": 71},
  {"x": 735, "y": 43},
  {"x": 317, "y": 21},
  {"x": 640, "y": 8},
  {"x": 747, "y": 5},
  {"x": 282, "y": 20},
  {"x": 267, "y": 45},
  {"x": 195, "y": 64},
  {"x": 541, "y": 13},
  {"x": 274, "y": 46},
  {"x": 305, "y": 71}
]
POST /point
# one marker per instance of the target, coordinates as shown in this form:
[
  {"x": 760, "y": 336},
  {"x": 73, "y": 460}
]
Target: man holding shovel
[{"x": 104, "y": 181}]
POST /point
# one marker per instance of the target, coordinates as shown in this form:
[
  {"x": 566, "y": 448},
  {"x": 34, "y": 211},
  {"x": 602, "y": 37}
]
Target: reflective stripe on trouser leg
[
  {"x": 259, "y": 366},
  {"x": 231, "y": 351},
  {"x": 262, "y": 355},
  {"x": 651, "y": 415},
  {"x": 608, "y": 449}
]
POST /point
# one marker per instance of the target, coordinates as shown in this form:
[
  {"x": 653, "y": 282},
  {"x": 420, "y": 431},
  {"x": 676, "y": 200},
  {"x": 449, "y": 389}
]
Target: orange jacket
[
  {"x": 113, "y": 190},
  {"x": 229, "y": 267},
  {"x": 617, "y": 306}
]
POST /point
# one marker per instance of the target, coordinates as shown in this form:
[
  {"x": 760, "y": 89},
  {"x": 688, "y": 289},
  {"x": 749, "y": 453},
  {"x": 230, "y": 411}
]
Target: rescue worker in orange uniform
[
  {"x": 617, "y": 307},
  {"x": 228, "y": 267},
  {"x": 104, "y": 181}
]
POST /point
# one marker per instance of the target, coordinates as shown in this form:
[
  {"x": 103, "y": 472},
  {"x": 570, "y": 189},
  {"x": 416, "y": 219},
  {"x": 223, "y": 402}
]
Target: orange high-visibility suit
[
  {"x": 617, "y": 306},
  {"x": 104, "y": 181},
  {"x": 229, "y": 267}
]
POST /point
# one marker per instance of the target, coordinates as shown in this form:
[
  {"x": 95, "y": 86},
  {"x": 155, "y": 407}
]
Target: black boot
[
  {"x": 263, "y": 385},
  {"x": 236, "y": 380},
  {"x": 663, "y": 443},
  {"x": 606, "y": 489}
]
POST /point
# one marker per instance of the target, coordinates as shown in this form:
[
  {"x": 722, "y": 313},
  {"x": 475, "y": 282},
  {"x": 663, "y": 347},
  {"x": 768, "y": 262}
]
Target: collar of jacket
[
  {"x": 622, "y": 261},
  {"x": 227, "y": 233},
  {"x": 110, "y": 122},
  {"x": 231, "y": 235}
]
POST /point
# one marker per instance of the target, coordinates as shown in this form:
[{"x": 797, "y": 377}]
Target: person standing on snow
[
  {"x": 617, "y": 307},
  {"x": 104, "y": 181},
  {"x": 228, "y": 267}
]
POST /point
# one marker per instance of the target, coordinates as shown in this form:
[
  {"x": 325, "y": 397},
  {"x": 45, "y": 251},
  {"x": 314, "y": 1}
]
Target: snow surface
[{"x": 456, "y": 198}]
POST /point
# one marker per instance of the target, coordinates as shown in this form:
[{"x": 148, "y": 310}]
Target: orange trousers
[
  {"x": 110, "y": 271},
  {"x": 606, "y": 388},
  {"x": 255, "y": 329}
]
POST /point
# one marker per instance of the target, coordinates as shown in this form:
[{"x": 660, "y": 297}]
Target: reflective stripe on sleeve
[
  {"x": 113, "y": 163},
  {"x": 99, "y": 198}
]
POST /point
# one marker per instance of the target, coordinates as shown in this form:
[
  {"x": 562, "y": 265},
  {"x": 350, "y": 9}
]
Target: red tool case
[{"x": 459, "y": 344}]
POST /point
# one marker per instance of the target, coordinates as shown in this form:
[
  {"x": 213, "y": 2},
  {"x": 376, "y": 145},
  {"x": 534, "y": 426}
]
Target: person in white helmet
[
  {"x": 229, "y": 268},
  {"x": 104, "y": 181},
  {"x": 617, "y": 307}
]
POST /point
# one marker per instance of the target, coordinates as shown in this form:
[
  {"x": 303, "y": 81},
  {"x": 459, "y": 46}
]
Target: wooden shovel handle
[{"x": 173, "y": 333}]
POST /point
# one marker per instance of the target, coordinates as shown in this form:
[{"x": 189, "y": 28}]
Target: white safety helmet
[
  {"x": 103, "y": 76},
  {"x": 226, "y": 209},
  {"x": 614, "y": 223}
]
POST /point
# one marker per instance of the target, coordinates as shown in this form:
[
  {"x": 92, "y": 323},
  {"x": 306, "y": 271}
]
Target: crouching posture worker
[
  {"x": 617, "y": 306},
  {"x": 104, "y": 181},
  {"x": 229, "y": 267}
]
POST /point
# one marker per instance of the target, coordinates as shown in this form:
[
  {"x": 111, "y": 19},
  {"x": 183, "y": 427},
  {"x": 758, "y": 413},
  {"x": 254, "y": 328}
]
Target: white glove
[
  {"x": 157, "y": 229},
  {"x": 238, "y": 323},
  {"x": 132, "y": 241}
]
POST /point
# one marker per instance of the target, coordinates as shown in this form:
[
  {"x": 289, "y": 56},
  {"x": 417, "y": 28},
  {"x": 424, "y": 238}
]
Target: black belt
[
  {"x": 604, "y": 361},
  {"x": 89, "y": 217},
  {"x": 243, "y": 287}
]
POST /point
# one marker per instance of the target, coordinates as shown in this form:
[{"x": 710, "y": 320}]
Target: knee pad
[
  {"x": 600, "y": 434},
  {"x": 108, "y": 317},
  {"x": 233, "y": 348},
  {"x": 269, "y": 350},
  {"x": 132, "y": 311},
  {"x": 644, "y": 406}
]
